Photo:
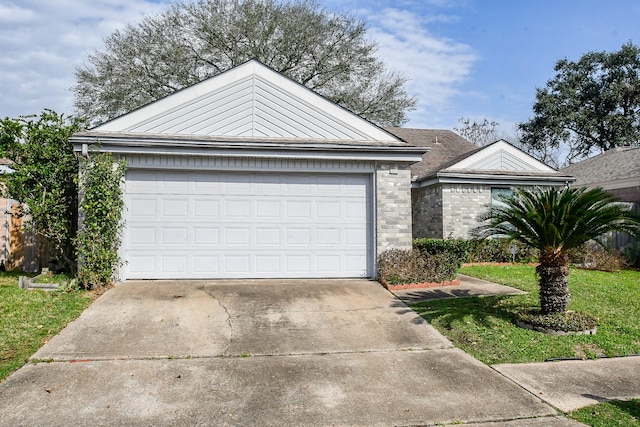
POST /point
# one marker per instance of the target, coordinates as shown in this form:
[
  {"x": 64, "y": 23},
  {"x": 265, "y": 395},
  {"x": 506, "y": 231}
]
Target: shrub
[
  {"x": 592, "y": 256},
  {"x": 490, "y": 250},
  {"x": 632, "y": 254},
  {"x": 398, "y": 266},
  {"x": 101, "y": 204},
  {"x": 570, "y": 321},
  {"x": 499, "y": 250},
  {"x": 455, "y": 248}
]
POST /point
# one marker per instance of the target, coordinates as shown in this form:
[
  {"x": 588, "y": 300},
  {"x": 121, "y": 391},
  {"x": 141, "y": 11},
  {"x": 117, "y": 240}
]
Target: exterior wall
[
  {"x": 461, "y": 205},
  {"x": 629, "y": 194},
  {"x": 426, "y": 211},
  {"x": 393, "y": 207}
]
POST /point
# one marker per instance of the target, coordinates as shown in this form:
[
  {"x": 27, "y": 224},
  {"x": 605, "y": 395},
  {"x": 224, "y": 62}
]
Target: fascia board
[
  {"x": 494, "y": 180},
  {"x": 396, "y": 154}
]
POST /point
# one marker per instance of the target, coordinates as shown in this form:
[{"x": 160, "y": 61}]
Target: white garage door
[{"x": 226, "y": 225}]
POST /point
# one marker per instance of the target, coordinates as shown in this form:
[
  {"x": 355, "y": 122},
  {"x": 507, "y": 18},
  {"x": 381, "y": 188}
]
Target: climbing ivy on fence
[{"x": 101, "y": 206}]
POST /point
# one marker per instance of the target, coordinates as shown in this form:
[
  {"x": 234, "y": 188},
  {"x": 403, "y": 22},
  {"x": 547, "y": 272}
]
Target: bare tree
[
  {"x": 189, "y": 42},
  {"x": 480, "y": 133},
  {"x": 486, "y": 132}
]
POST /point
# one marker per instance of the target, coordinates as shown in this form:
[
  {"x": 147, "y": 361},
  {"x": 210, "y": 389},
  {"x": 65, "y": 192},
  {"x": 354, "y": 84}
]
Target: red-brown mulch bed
[
  {"x": 470, "y": 264},
  {"x": 403, "y": 286}
]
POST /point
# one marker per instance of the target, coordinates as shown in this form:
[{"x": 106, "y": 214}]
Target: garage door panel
[
  {"x": 206, "y": 207},
  {"x": 268, "y": 236},
  {"x": 205, "y": 236},
  {"x": 210, "y": 225},
  {"x": 237, "y": 264},
  {"x": 205, "y": 265},
  {"x": 174, "y": 264},
  {"x": 174, "y": 236}
]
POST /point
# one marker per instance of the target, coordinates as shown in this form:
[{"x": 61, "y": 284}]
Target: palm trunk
[{"x": 553, "y": 272}]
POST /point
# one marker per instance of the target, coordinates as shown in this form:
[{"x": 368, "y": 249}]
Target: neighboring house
[
  {"x": 251, "y": 175},
  {"x": 456, "y": 180},
  {"x": 618, "y": 172}
]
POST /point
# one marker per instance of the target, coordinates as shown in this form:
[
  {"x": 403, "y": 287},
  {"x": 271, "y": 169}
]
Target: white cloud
[
  {"x": 436, "y": 66},
  {"x": 42, "y": 42}
]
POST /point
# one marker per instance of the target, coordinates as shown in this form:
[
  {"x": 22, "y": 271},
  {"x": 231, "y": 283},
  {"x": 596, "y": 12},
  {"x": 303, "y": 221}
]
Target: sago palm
[{"x": 555, "y": 221}]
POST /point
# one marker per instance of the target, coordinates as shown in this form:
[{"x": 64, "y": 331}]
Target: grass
[
  {"x": 28, "y": 319},
  {"x": 484, "y": 327},
  {"x": 610, "y": 414}
]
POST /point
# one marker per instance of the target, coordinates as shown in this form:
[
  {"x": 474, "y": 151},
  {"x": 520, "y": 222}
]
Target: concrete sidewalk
[
  {"x": 570, "y": 385},
  {"x": 567, "y": 385},
  {"x": 468, "y": 287}
]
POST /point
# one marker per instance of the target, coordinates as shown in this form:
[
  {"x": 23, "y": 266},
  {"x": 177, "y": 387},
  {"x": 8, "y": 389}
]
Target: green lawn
[
  {"x": 610, "y": 414},
  {"x": 484, "y": 327},
  {"x": 29, "y": 318}
]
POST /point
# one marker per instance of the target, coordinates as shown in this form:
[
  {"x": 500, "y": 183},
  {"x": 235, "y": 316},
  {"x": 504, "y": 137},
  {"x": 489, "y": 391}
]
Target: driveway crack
[{"x": 226, "y": 310}]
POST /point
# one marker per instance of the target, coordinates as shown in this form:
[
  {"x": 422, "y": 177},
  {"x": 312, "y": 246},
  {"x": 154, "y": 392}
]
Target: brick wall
[
  {"x": 393, "y": 207},
  {"x": 426, "y": 211},
  {"x": 461, "y": 205}
]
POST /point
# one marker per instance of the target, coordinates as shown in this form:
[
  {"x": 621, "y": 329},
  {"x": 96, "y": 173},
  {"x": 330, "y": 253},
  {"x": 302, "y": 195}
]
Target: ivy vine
[{"x": 101, "y": 205}]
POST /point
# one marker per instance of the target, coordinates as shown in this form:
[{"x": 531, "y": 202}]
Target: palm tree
[{"x": 555, "y": 221}]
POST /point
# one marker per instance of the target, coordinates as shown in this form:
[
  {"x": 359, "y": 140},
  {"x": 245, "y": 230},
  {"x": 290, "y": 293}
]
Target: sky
[{"x": 465, "y": 58}]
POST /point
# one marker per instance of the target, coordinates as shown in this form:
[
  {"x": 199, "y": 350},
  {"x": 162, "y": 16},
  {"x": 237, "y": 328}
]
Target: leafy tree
[
  {"x": 189, "y": 42},
  {"x": 554, "y": 222},
  {"x": 591, "y": 104},
  {"x": 44, "y": 177}
]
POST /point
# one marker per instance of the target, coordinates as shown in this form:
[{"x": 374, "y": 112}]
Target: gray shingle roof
[
  {"x": 446, "y": 148},
  {"x": 612, "y": 165}
]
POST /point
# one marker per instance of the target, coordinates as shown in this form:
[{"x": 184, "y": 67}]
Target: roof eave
[
  {"x": 491, "y": 179},
  {"x": 247, "y": 148}
]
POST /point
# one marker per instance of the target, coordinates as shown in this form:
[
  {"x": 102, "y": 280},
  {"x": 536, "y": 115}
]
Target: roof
[
  {"x": 445, "y": 148},
  {"x": 253, "y": 102},
  {"x": 453, "y": 159},
  {"x": 614, "y": 165}
]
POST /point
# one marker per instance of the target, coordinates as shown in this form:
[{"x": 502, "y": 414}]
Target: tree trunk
[{"x": 553, "y": 272}]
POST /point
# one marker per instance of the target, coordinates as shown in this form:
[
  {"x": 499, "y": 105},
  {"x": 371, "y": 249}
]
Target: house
[
  {"x": 456, "y": 180},
  {"x": 251, "y": 175},
  {"x": 618, "y": 172}
]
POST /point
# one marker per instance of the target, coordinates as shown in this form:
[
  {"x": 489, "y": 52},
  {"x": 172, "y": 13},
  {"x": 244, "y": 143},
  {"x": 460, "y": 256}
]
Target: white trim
[
  {"x": 293, "y": 169},
  {"x": 345, "y": 122},
  {"x": 500, "y": 148},
  {"x": 493, "y": 180},
  {"x": 242, "y": 164}
]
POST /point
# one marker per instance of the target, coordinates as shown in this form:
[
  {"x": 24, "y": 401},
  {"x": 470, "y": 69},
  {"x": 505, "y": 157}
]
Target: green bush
[
  {"x": 399, "y": 266},
  {"x": 456, "y": 248},
  {"x": 571, "y": 321},
  {"x": 490, "y": 250},
  {"x": 101, "y": 205},
  {"x": 632, "y": 254}
]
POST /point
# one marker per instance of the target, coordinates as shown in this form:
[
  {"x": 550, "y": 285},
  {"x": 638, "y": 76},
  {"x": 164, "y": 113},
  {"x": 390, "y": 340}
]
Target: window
[{"x": 497, "y": 194}]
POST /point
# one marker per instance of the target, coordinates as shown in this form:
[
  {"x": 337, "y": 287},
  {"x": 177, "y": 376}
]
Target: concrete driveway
[{"x": 278, "y": 353}]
